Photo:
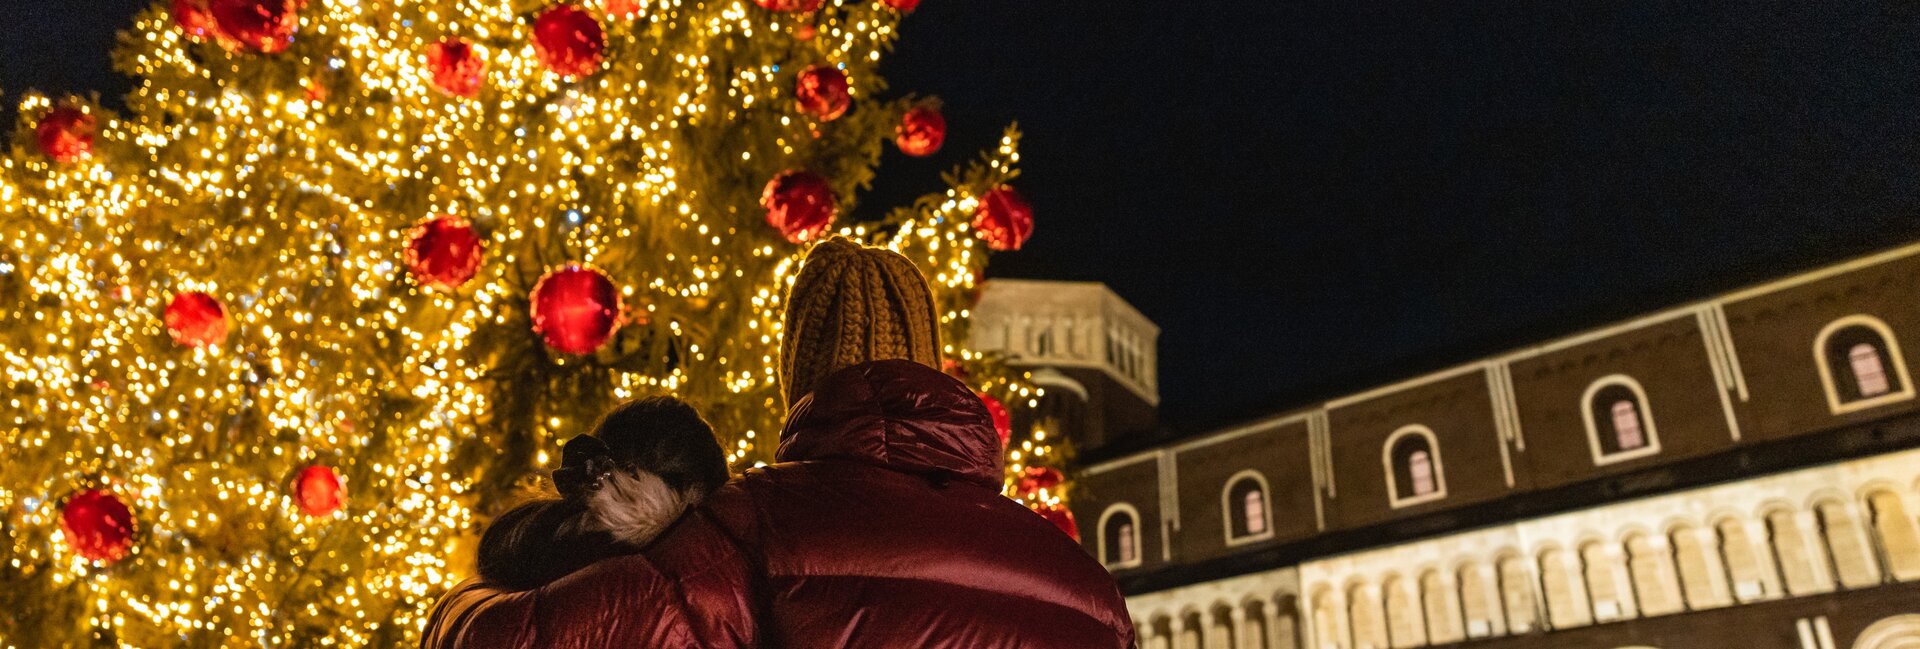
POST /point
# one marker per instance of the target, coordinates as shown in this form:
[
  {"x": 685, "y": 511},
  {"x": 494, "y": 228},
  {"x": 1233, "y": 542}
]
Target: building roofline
[{"x": 1579, "y": 336}]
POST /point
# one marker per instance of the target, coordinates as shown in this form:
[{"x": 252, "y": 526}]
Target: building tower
[{"x": 1093, "y": 353}]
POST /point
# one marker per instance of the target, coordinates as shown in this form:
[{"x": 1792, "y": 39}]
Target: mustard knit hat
[{"x": 850, "y": 305}]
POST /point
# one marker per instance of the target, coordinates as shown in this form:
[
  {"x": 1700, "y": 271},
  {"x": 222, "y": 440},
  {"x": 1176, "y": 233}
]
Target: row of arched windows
[
  {"x": 1859, "y": 360},
  {"x": 1246, "y": 507},
  {"x": 1785, "y": 552}
]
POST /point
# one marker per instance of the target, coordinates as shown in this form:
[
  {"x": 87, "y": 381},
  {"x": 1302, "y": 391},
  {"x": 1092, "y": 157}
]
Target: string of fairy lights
[{"x": 302, "y": 457}]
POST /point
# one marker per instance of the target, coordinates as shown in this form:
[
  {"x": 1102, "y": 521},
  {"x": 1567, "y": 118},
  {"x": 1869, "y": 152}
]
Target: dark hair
[
  {"x": 667, "y": 437},
  {"x": 549, "y": 537}
]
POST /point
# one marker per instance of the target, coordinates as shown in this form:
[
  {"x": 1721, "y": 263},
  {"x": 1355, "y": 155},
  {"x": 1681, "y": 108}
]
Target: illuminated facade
[{"x": 1738, "y": 471}]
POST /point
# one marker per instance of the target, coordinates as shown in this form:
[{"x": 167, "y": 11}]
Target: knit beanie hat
[{"x": 850, "y": 305}]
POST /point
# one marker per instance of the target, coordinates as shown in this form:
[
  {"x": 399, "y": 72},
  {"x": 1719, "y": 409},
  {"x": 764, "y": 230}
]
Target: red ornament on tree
[
  {"x": 1004, "y": 219},
  {"x": 790, "y": 5},
  {"x": 568, "y": 40},
  {"x": 196, "y": 319},
  {"x": 444, "y": 252},
  {"x": 821, "y": 91},
  {"x": 800, "y": 204},
  {"x": 97, "y": 525},
  {"x": 576, "y": 309},
  {"x": 317, "y": 490},
  {"x": 921, "y": 131},
  {"x": 264, "y": 26},
  {"x": 1002, "y": 420},
  {"x": 902, "y": 5},
  {"x": 66, "y": 134},
  {"x": 194, "y": 19},
  {"x": 1035, "y": 478},
  {"x": 456, "y": 67},
  {"x": 1060, "y": 517}
]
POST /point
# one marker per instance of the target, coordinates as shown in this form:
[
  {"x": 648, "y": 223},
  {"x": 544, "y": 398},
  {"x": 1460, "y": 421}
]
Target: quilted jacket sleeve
[{"x": 621, "y": 602}]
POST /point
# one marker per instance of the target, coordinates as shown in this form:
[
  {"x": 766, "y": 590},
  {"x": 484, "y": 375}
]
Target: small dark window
[
  {"x": 1416, "y": 471},
  {"x": 1619, "y": 419},
  {"x": 1120, "y": 539},
  {"x": 1860, "y": 364},
  {"x": 1246, "y": 508}
]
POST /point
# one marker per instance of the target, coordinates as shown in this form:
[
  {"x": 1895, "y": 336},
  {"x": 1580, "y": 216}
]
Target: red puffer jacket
[{"x": 882, "y": 526}]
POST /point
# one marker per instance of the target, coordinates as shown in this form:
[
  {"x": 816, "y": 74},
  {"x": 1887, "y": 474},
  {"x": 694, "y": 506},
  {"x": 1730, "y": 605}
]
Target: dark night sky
[{"x": 1310, "y": 200}]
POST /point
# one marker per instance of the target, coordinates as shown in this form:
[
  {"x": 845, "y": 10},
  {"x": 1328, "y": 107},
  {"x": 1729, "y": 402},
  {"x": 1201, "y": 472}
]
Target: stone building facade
[{"x": 1743, "y": 471}]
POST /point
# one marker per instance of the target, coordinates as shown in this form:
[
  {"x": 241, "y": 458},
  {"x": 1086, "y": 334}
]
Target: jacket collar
[{"x": 896, "y": 414}]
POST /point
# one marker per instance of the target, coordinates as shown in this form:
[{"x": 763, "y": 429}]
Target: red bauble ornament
[
  {"x": 800, "y": 204},
  {"x": 1035, "y": 478},
  {"x": 1060, "y": 517},
  {"x": 318, "y": 490},
  {"x": 902, "y": 5},
  {"x": 196, "y": 319},
  {"x": 264, "y": 26},
  {"x": 1004, "y": 219},
  {"x": 576, "y": 309},
  {"x": 821, "y": 91},
  {"x": 921, "y": 131},
  {"x": 790, "y": 5},
  {"x": 66, "y": 134},
  {"x": 569, "y": 41},
  {"x": 97, "y": 525},
  {"x": 194, "y": 19},
  {"x": 456, "y": 67},
  {"x": 444, "y": 252},
  {"x": 1002, "y": 420}
]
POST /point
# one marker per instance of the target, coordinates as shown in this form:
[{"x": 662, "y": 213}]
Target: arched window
[
  {"x": 1854, "y": 562},
  {"x": 1441, "y": 603},
  {"x": 1245, "y": 503},
  {"x": 1414, "y": 472},
  {"x": 1795, "y": 550},
  {"x": 1120, "y": 537},
  {"x": 1702, "y": 577},
  {"x": 1607, "y": 585},
  {"x": 1480, "y": 601},
  {"x": 1899, "y": 541},
  {"x": 1750, "y": 569},
  {"x": 1368, "y": 621},
  {"x": 1860, "y": 364},
  {"x": 1655, "y": 583},
  {"x": 1327, "y": 630},
  {"x": 1406, "y": 626},
  {"x": 1619, "y": 423},
  {"x": 1517, "y": 593},
  {"x": 1566, "y": 591}
]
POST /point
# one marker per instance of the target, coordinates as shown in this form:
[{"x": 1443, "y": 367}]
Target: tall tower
[{"x": 1094, "y": 353}]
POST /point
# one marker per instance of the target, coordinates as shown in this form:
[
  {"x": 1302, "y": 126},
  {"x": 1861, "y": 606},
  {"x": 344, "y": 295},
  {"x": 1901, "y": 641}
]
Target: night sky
[{"x": 1313, "y": 200}]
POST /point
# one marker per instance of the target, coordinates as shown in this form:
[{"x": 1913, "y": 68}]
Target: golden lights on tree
[{"x": 270, "y": 338}]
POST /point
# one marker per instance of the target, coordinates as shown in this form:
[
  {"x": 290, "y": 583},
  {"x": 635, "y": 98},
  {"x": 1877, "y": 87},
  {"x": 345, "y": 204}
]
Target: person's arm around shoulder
[
  {"x": 622, "y": 602},
  {"x": 711, "y": 557}
]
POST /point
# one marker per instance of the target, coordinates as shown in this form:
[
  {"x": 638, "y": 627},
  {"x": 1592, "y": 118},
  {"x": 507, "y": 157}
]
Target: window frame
[
  {"x": 1227, "y": 507},
  {"x": 1648, "y": 428},
  {"x": 1394, "y": 500},
  {"x": 1894, "y": 356},
  {"x": 1139, "y": 550}
]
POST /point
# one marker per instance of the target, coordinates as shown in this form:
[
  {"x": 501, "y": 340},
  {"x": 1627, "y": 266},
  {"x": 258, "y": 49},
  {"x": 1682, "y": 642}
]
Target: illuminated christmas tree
[{"x": 278, "y": 339}]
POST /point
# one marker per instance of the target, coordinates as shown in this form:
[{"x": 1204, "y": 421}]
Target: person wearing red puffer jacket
[{"x": 881, "y": 525}]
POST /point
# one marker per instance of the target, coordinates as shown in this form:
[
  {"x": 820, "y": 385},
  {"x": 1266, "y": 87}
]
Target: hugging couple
[{"x": 880, "y": 525}]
